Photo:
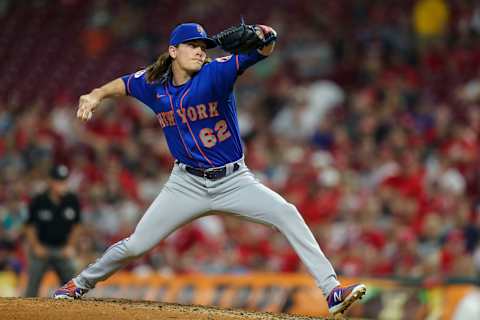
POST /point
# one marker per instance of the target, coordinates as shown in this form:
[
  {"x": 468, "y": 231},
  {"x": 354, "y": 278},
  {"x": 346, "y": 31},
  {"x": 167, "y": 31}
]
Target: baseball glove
[{"x": 244, "y": 38}]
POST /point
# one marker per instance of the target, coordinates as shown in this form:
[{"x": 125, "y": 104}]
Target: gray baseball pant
[
  {"x": 186, "y": 197},
  {"x": 37, "y": 267}
]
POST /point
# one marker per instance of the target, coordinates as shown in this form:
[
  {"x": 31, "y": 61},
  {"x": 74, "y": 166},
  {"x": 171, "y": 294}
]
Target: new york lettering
[{"x": 190, "y": 114}]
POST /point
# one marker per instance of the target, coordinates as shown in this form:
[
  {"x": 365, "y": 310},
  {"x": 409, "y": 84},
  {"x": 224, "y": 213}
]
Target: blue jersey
[{"x": 199, "y": 118}]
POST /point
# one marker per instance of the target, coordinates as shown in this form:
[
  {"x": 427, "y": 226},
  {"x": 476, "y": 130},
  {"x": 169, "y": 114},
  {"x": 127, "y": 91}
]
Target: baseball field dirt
[{"x": 117, "y": 309}]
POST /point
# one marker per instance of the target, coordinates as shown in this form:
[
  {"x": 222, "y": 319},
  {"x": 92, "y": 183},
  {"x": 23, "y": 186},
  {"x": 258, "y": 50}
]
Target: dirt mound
[{"x": 109, "y": 309}]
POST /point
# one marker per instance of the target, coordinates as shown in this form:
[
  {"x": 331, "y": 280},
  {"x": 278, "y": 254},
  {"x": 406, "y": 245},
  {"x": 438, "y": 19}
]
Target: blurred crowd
[{"x": 366, "y": 118}]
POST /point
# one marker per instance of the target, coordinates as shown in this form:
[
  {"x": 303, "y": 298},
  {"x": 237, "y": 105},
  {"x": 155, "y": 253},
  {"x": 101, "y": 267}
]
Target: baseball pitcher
[{"x": 192, "y": 98}]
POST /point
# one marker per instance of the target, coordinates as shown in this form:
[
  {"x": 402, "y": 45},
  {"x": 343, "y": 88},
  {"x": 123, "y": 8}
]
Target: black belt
[{"x": 212, "y": 173}]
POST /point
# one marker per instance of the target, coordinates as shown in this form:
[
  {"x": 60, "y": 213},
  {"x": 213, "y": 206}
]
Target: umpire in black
[{"x": 52, "y": 230}]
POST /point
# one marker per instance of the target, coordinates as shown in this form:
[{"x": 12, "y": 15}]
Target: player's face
[{"x": 191, "y": 55}]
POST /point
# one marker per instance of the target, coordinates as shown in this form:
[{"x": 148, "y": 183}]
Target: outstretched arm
[{"x": 89, "y": 102}]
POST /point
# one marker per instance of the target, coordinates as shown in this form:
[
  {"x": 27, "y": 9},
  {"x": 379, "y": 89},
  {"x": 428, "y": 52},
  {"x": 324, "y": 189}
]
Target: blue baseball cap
[{"x": 188, "y": 32}]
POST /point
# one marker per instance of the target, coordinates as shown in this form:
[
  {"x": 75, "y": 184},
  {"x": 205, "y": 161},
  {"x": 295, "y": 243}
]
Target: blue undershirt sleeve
[{"x": 225, "y": 70}]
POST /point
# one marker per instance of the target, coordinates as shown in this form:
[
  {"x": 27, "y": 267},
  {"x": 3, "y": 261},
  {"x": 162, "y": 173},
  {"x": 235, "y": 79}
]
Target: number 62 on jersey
[{"x": 219, "y": 133}]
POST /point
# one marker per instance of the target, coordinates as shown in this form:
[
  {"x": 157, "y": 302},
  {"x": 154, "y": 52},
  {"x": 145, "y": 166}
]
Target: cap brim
[{"x": 210, "y": 42}]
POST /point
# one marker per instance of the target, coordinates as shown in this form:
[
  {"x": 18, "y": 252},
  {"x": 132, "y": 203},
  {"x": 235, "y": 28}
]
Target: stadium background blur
[{"x": 366, "y": 117}]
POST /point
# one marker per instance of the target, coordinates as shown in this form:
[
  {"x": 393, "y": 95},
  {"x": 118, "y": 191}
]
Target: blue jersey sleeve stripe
[
  {"x": 178, "y": 129},
  {"x": 191, "y": 132}
]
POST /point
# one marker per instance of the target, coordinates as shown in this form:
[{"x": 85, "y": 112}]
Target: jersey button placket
[
  {"x": 173, "y": 100},
  {"x": 183, "y": 130}
]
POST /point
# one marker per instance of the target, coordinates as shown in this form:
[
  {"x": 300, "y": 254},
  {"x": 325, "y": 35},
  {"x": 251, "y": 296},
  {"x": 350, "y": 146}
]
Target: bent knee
[
  {"x": 291, "y": 209},
  {"x": 134, "y": 248},
  {"x": 287, "y": 214}
]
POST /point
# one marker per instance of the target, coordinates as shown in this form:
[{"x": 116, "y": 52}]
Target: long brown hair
[{"x": 161, "y": 70}]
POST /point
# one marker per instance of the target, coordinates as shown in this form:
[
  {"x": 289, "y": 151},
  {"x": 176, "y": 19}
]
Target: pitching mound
[{"x": 114, "y": 309}]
